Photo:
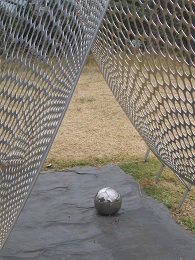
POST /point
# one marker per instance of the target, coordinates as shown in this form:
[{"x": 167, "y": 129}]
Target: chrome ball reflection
[{"x": 107, "y": 201}]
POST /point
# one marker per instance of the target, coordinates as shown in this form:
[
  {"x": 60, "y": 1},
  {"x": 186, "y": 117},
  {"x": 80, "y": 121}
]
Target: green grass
[
  {"x": 145, "y": 172},
  {"x": 56, "y": 164},
  {"x": 168, "y": 190}
]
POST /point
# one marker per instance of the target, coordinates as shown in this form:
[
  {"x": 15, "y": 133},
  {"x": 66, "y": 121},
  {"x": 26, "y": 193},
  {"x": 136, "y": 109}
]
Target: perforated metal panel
[
  {"x": 145, "y": 50},
  {"x": 43, "y": 46}
]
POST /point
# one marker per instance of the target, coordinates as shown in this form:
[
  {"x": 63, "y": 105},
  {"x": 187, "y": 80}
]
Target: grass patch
[
  {"x": 168, "y": 190},
  {"x": 56, "y": 164}
]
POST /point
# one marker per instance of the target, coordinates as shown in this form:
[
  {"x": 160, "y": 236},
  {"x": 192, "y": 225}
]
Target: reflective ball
[{"x": 107, "y": 201}]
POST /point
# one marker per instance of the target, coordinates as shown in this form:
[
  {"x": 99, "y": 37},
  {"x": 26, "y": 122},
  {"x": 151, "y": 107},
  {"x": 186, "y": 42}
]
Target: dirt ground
[{"x": 94, "y": 125}]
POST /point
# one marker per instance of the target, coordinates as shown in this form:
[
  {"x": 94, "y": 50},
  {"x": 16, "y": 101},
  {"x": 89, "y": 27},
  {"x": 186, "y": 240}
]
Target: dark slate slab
[{"x": 59, "y": 222}]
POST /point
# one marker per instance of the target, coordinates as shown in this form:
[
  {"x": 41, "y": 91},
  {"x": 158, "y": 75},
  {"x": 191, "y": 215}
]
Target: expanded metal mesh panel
[
  {"x": 145, "y": 50},
  {"x": 43, "y": 46}
]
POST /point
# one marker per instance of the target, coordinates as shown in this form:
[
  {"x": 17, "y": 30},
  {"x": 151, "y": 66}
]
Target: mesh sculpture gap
[{"x": 145, "y": 50}]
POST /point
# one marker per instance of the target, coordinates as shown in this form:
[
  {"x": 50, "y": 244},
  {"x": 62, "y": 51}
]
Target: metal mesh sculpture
[
  {"x": 43, "y": 46},
  {"x": 145, "y": 50}
]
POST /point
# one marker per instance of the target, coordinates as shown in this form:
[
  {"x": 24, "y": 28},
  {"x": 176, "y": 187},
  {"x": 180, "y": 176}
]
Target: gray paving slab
[{"x": 59, "y": 221}]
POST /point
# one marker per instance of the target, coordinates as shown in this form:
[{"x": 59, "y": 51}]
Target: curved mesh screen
[
  {"x": 145, "y": 50},
  {"x": 43, "y": 46}
]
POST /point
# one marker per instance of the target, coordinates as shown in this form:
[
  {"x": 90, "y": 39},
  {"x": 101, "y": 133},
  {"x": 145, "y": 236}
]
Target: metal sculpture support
[{"x": 145, "y": 50}]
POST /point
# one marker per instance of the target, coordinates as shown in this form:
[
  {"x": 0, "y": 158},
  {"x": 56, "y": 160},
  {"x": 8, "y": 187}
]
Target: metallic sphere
[{"x": 107, "y": 201}]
